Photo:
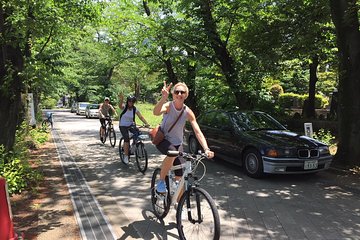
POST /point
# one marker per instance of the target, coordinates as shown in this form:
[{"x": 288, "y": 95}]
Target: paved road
[{"x": 277, "y": 207}]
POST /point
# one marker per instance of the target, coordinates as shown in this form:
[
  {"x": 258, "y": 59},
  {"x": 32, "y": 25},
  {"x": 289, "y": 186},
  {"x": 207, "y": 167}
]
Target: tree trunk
[
  {"x": 169, "y": 67},
  {"x": 345, "y": 17},
  {"x": 310, "y": 107},
  {"x": 190, "y": 81},
  {"x": 11, "y": 64},
  {"x": 222, "y": 54}
]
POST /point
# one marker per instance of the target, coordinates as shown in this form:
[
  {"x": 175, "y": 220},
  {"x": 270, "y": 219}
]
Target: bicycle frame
[
  {"x": 196, "y": 211},
  {"x": 107, "y": 125},
  {"x": 139, "y": 136},
  {"x": 183, "y": 181}
]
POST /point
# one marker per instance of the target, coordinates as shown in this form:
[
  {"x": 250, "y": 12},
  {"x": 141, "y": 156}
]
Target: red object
[{"x": 6, "y": 224}]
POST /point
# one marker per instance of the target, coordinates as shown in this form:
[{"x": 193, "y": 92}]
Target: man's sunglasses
[{"x": 179, "y": 91}]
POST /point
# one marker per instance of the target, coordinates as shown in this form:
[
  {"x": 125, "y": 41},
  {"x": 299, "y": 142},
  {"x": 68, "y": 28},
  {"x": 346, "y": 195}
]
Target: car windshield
[
  {"x": 83, "y": 105},
  {"x": 255, "y": 121},
  {"x": 93, "y": 107}
]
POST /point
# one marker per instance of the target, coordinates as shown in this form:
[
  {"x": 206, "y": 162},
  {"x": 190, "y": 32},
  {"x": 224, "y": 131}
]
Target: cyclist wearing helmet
[
  {"x": 127, "y": 121},
  {"x": 104, "y": 112}
]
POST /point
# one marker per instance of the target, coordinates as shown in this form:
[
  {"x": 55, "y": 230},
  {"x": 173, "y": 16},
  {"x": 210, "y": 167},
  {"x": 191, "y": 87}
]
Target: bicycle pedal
[{"x": 160, "y": 194}]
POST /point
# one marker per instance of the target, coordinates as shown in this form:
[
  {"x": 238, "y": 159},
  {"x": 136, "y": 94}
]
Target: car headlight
[
  {"x": 278, "y": 152},
  {"x": 324, "y": 150}
]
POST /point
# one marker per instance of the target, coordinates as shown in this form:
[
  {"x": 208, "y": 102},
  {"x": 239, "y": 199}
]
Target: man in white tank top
[{"x": 174, "y": 139}]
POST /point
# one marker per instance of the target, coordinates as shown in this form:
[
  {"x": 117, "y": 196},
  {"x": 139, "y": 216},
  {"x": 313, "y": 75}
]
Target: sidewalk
[
  {"x": 349, "y": 179},
  {"x": 47, "y": 214}
]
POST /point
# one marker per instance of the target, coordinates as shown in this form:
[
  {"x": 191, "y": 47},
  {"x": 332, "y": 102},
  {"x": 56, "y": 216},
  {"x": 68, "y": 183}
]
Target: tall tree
[
  {"x": 205, "y": 10},
  {"x": 28, "y": 26},
  {"x": 345, "y": 17},
  {"x": 11, "y": 81}
]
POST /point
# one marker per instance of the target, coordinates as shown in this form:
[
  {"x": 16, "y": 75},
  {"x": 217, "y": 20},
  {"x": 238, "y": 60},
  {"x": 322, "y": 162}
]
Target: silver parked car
[
  {"x": 73, "y": 107},
  {"x": 92, "y": 111},
  {"x": 81, "y": 106}
]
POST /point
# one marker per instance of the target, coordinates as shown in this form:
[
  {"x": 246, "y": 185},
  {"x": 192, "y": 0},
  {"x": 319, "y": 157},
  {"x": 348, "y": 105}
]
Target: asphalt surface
[{"x": 320, "y": 206}]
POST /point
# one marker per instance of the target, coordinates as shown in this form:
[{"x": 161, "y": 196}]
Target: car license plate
[{"x": 311, "y": 164}]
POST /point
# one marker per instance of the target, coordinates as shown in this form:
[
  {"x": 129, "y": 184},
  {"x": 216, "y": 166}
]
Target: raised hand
[{"x": 166, "y": 90}]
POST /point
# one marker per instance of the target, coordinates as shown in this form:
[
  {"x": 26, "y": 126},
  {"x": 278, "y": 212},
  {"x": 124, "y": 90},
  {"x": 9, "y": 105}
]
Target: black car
[{"x": 259, "y": 142}]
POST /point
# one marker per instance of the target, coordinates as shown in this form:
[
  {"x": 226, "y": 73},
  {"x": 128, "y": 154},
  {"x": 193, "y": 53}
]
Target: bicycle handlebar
[
  {"x": 186, "y": 155},
  {"x": 144, "y": 126}
]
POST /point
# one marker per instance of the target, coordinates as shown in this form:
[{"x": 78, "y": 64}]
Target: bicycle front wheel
[
  {"x": 159, "y": 202},
  {"x": 141, "y": 157},
  {"x": 121, "y": 150},
  {"x": 197, "y": 216},
  {"x": 112, "y": 136},
  {"x": 103, "y": 138}
]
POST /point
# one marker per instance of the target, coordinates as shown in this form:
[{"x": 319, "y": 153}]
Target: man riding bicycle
[{"x": 104, "y": 109}]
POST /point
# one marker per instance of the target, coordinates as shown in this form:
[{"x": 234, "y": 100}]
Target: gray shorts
[{"x": 165, "y": 146}]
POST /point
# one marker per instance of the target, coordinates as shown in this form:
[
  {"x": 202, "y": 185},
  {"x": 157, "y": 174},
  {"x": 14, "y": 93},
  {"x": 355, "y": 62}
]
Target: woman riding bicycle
[
  {"x": 127, "y": 122},
  {"x": 104, "y": 109},
  {"x": 174, "y": 139}
]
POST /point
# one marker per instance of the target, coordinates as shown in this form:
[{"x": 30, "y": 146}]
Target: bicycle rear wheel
[
  {"x": 197, "y": 216},
  {"x": 159, "y": 202},
  {"x": 112, "y": 136},
  {"x": 102, "y": 139},
  {"x": 141, "y": 157},
  {"x": 46, "y": 124}
]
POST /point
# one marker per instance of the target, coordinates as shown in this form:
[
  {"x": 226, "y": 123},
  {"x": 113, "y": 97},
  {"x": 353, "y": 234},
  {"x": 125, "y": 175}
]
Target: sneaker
[
  {"x": 161, "y": 186},
  {"x": 126, "y": 159}
]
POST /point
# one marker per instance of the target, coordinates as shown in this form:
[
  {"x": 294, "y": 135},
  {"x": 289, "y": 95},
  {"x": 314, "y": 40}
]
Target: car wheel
[
  {"x": 253, "y": 163},
  {"x": 193, "y": 145}
]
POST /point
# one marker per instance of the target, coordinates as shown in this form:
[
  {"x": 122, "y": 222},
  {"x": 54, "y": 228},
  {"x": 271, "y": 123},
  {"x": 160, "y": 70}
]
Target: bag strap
[{"x": 176, "y": 120}]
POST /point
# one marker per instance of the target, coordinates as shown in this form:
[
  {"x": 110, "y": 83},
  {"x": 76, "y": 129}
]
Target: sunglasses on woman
[{"x": 179, "y": 91}]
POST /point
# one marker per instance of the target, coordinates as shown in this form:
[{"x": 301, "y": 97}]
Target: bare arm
[
  {"x": 100, "y": 113},
  {"x": 199, "y": 135},
  {"x": 113, "y": 109},
  {"x": 142, "y": 118},
  {"x": 162, "y": 105},
  {"x": 121, "y": 102}
]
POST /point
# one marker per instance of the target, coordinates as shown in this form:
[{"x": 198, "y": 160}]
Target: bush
[
  {"x": 289, "y": 100},
  {"x": 276, "y": 90},
  {"x": 14, "y": 165},
  {"x": 324, "y": 136},
  {"x": 321, "y": 101},
  {"x": 48, "y": 103}
]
